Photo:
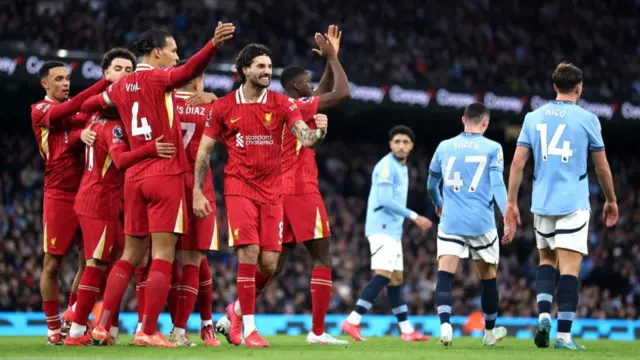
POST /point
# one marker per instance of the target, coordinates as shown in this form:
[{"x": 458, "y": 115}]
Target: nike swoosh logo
[{"x": 233, "y": 121}]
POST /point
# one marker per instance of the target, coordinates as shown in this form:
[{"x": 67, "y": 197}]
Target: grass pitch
[{"x": 295, "y": 347}]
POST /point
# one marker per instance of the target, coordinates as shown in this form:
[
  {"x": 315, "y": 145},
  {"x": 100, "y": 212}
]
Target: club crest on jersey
[{"x": 267, "y": 119}]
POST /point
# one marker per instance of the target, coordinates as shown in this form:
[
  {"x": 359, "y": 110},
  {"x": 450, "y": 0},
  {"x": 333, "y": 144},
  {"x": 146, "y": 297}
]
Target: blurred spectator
[
  {"x": 464, "y": 43},
  {"x": 610, "y": 282}
]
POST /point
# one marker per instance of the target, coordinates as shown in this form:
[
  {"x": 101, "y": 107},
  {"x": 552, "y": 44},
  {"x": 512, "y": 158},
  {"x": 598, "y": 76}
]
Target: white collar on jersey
[
  {"x": 49, "y": 99},
  {"x": 143, "y": 67},
  {"x": 183, "y": 94},
  {"x": 240, "y": 99}
]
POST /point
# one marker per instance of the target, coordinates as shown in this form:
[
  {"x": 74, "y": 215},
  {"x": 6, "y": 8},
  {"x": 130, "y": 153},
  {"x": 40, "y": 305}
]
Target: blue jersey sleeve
[
  {"x": 496, "y": 159},
  {"x": 435, "y": 169},
  {"x": 594, "y": 132},
  {"x": 524, "y": 139},
  {"x": 382, "y": 174}
]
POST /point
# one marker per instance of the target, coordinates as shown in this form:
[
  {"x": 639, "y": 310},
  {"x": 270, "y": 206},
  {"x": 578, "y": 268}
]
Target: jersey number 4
[
  {"x": 143, "y": 128},
  {"x": 552, "y": 148},
  {"x": 456, "y": 181}
]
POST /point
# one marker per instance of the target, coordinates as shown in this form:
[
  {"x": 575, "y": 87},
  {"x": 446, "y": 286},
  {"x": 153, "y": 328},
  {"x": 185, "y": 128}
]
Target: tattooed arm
[
  {"x": 308, "y": 137},
  {"x": 201, "y": 206}
]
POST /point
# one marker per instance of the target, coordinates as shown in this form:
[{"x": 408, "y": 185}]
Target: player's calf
[
  {"x": 50, "y": 289},
  {"x": 568, "y": 292},
  {"x": 187, "y": 293}
]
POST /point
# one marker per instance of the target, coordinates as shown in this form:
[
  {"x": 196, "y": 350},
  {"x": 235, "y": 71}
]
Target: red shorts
[
  {"x": 60, "y": 226},
  {"x": 254, "y": 223},
  {"x": 155, "y": 204},
  {"x": 305, "y": 218},
  {"x": 101, "y": 238},
  {"x": 202, "y": 233}
]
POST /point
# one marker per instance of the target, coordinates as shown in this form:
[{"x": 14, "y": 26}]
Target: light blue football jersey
[
  {"x": 560, "y": 134},
  {"x": 464, "y": 163},
  {"x": 387, "y": 204}
]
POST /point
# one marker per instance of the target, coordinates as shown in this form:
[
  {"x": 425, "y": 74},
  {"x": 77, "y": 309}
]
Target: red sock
[
  {"x": 205, "y": 292},
  {"x": 88, "y": 292},
  {"x": 115, "y": 316},
  {"x": 261, "y": 283},
  {"x": 51, "y": 312},
  {"x": 158, "y": 284},
  {"x": 187, "y": 294},
  {"x": 141, "y": 285},
  {"x": 321, "y": 285},
  {"x": 245, "y": 284},
  {"x": 117, "y": 284},
  {"x": 103, "y": 282},
  {"x": 73, "y": 297},
  {"x": 172, "y": 300}
]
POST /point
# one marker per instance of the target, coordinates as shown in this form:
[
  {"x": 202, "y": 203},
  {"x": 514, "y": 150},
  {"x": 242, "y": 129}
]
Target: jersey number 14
[{"x": 552, "y": 148}]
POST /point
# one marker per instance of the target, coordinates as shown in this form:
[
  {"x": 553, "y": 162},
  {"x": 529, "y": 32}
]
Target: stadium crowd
[
  {"x": 610, "y": 281},
  {"x": 464, "y": 43}
]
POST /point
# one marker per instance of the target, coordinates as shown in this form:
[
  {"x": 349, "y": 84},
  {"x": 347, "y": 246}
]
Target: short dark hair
[
  {"x": 403, "y": 130},
  {"x": 290, "y": 73},
  {"x": 566, "y": 77},
  {"x": 48, "y": 65},
  {"x": 247, "y": 54},
  {"x": 117, "y": 53},
  {"x": 476, "y": 111},
  {"x": 151, "y": 39}
]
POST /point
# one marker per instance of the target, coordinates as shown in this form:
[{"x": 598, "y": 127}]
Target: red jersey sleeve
[
  {"x": 40, "y": 114},
  {"x": 308, "y": 107},
  {"x": 119, "y": 149},
  {"x": 213, "y": 125},
  {"x": 175, "y": 77},
  {"x": 290, "y": 110}
]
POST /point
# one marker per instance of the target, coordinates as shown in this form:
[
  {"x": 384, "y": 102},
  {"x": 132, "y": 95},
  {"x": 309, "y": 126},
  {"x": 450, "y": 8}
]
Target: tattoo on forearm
[
  {"x": 306, "y": 136},
  {"x": 202, "y": 162}
]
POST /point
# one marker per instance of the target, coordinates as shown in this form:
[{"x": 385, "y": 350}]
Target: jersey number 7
[{"x": 456, "y": 181}]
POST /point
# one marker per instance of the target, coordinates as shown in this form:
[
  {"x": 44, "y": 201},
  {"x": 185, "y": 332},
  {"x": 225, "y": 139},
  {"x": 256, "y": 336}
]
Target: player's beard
[{"x": 255, "y": 81}]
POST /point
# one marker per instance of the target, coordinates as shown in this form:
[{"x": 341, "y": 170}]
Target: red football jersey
[
  {"x": 145, "y": 104},
  {"x": 300, "y": 172},
  {"x": 101, "y": 192},
  {"x": 252, "y": 134},
  {"x": 60, "y": 149},
  {"x": 192, "y": 120}
]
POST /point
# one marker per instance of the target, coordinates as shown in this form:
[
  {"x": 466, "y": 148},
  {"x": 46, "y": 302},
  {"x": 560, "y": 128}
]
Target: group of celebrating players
[
  {"x": 127, "y": 167},
  {"x": 130, "y": 155}
]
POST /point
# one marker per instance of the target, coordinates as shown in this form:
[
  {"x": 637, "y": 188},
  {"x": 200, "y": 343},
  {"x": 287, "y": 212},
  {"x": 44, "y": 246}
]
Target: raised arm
[
  {"x": 339, "y": 90},
  {"x": 327, "y": 81},
  {"x": 199, "y": 62},
  {"x": 308, "y": 137},
  {"x": 68, "y": 108}
]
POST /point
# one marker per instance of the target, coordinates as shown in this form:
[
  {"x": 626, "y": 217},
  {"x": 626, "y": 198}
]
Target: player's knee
[
  {"x": 269, "y": 268},
  {"x": 97, "y": 263},
  {"x": 397, "y": 278},
  {"x": 448, "y": 263},
  {"x": 548, "y": 257},
  {"x": 51, "y": 266},
  {"x": 190, "y": 257},
  {"x": 248, "y": 254},
  {"x": 384, "y": 273},
  {"x": 487, "y": 271},
  {"x": 569, "y": 262}
]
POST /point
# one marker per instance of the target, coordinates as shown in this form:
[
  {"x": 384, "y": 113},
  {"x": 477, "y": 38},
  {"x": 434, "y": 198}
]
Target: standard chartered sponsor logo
[
  {"x": 259, "y": 140},
  {"x": 239, "y": 140}
]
